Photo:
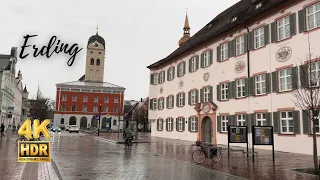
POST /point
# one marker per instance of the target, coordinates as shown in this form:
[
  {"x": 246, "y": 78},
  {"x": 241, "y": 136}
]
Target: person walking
[{"x": 1, "y": 130}]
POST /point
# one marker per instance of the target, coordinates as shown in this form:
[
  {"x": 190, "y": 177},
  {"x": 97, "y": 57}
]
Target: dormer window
[
  {"x": 234, "y": 19},
  {"x": 258, "y": 5}
]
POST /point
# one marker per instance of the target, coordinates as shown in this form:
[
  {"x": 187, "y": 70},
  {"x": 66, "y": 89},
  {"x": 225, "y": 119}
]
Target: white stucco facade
[{"x": 263, "y": 60}]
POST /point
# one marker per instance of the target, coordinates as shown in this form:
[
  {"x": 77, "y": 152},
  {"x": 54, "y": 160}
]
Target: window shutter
[
  {"x": 167, "y": 102},
  {"x": 201, "y": 95},
  {"x": 172, "y": 124},
  {"x": 173, "y": 71},
  {"x": 197, "y": 96},
  {"x": 184, "y": 68},
  {"x": 164, "y": 76},
  {"x": 248, "y": 123},
  {"x": 253, "y": 119},
  {"x": 302, "y": 20},
  {"x": 151, "y": 104},
  {"x": 177, "y": 124},
  {"x": 230, "y": 121},
  {"x": 234, "y": 121},
  {"x": 273, "y": 32},
  {"x": 168, "y": 74},
  {"x": 268, "y": 83},
  {"x": 218, "y": 92},
  {"x": 197, "y": 61},
  {"x": 219, "y": 53},
  {"x": 230, "y": 93},
  {"x": 274, "y": 82},
  {"x": 159, "y": 103},
  {"x": 219, "y": 123},
  {"x": 246, "y": 85},
  {"x": 190, "y": 65},
  {"x": 304, "y": 80},
  {"x": 276, "y": 125},
  {"x": 184, "y": 99},
  {"x": 251, "y": 86},
  {"x": 158, "y": 124},
  {"x": 202, "y": 60},
  {"x": 189, "y": 124},
  {"x": 177, "y": 98},
  {"x": 172, "y": 101},
  {"x": 151, "y": 78},
  {"x": 245, "y": 42},
  {"x": 211, "y": 54},
  {"x": 167, "y": 124},
  {"x": 196, "y": 124},
  {"x": 231, "y": 48},
  {"x": 234, "y": 89},
  {"x": 266, "y": 34},
  {"x": 250, "y": 41},
  {"x": 268, "y": 119},
  {"x": 162, "y": 103},
  {"x": 189, "y": 98},
  {"x": 294, "y": 76},
  {"x": 183, "y": 124},
  {"x": 296, "y": 122},
  {"x": 306, "y": 121},
  {"x": 211, "y": 94},
  {"x": 293, "y": 24}
]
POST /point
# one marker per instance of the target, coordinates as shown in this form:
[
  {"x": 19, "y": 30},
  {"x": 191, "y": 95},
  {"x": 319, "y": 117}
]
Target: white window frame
[
  {"x": 193, "y": 64},
  {"x": 283, "y": 28},
  {"x": 160, "y": 103},
  {"x": 74, "y": 98},
  {"x": 240, "y": 88},
  {"x": 287, "y": 77},
  {"x": 260, "y": 84},
  {"x": 116, "y": 100},
  {"x": 239, "y": 45},
  {"x": 193, "y": 124},
  {"x": 312, "y": 15},
  {"x": 160, "y": 124},
  {"x": 206, "y": 94},
  {"x": 84, "y": 108},
  {"x": 170, "y": 73},
  {"x": 64, "y": 97},
  {"x": 262, "y": 118},
  {"x": 85, "y": 98},
  {"x": 180, "y": 98},
  {"x": 193, "y": 95},
  {"x": 170, "y": 102},
  {"x": 155, "y": 104},
  {"x": 258, "y": 38},
  {"x": 161, "y": 77},
  {"x": 224, "y": 91},
  {"x": 315, "y": 74},
  {"x": 106, "y": 99},
  {"x": 96, "y": 99},
  {"x": 224, "y": 123},
  {"x": 169, "y": 124},
  {"x": 206, "y": 59},
  {"x": 241, "y": 119},
  {"x": 180, "y": 124},
  {"x": 180, "y": 69},
  {"x": 287, "y": 119},
  {"x": 95, "y": 108},
  {"x": 224, "y": 51}
]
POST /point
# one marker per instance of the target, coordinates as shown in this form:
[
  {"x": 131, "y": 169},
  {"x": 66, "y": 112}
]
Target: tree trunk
[
  {"x": 315, "y": 150},
  {"x": 136, "y": 129}
]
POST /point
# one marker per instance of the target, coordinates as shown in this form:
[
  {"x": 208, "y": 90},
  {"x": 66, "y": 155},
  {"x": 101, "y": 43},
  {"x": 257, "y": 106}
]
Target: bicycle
[
  {"x": 201, "y": 154},
  {"x": 23, "y": 138}
]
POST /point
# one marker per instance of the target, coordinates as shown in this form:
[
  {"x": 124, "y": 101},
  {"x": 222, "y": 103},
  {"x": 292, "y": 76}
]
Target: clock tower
[{"x": 95, "y": 59}]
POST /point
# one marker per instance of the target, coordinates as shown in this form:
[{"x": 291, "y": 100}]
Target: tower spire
[
  {"x": 186, "y": 30},
  {"x": 186, "y": 23},
  {"x": 97, "y": 29}
]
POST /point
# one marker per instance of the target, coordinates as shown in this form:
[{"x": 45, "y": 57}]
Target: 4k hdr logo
[{"x": 31, "y": 150}]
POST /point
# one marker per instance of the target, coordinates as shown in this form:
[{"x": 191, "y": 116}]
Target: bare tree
[
  {"x": 41, "y": 107},
  {"x": 140, "y": 115},
  {"x": 307, "y": 98}
]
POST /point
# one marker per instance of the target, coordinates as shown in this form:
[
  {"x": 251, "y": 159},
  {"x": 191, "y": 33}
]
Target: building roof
[
  {"x": 91, "y": 84},
  {"x": 244, "y": 10},
  {"x": 25, "y": 89},
  {"x": 96, "y": 38}
]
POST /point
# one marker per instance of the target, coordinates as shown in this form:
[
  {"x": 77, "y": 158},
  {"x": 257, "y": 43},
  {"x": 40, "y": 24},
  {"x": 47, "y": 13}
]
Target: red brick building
[{"x": 78, "y": 102}]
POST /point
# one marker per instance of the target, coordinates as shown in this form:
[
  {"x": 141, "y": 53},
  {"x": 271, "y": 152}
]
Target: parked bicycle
[
  {"x": 23, "y": 138},
  {"x": 201, "y": 154}
]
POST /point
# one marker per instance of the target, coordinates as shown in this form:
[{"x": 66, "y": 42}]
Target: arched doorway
[
  {"x": 73, "y": 120},
  {"x": 83, "y": 122},
  {"x": 93, "y": 122},
  {"x": 207, "y": 129},
  {"x": 103, "y": 123}
]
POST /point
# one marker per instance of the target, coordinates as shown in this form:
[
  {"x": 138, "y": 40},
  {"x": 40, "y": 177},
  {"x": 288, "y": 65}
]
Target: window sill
[
  {"x": 193, "y": 71},
  {"x": 285, "y": 92},
  {"x": 223, "y": 132},
  {"x": 311, "y": 30},
  {"x": 224, "y": 100},
  {"x": 204, "y": 67},
  {"x": 317, "y": 135},
  {"x": 222, "y": 61},
  {"x": 193, "y": 131},
  {"x": 260, "y": 95},
  {"x": 288, "y": 38},
  {"x": 256, "y": 49},
  {"x": 181, "y": 76},
  {"x": 289, "y": 135},
  {"x": 180, "y": 106},
  {"x": 240, "y": 98},
  {"x": 239, "y": 55}
]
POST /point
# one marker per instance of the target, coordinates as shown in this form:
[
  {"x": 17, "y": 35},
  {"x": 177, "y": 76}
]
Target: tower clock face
[{"x": 95, "y": 44}]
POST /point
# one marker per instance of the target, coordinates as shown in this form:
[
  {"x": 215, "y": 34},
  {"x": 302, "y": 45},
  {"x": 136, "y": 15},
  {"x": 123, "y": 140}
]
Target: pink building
[{"x": 240, "y": 69}]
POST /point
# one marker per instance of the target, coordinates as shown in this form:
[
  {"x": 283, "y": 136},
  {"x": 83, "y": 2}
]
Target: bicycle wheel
[
  {"x": 198, "y": 156},
  {"x": 216, "y": 158}
]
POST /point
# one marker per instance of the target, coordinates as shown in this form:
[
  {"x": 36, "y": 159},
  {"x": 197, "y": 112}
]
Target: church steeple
[{"x": 186, "y": 31}]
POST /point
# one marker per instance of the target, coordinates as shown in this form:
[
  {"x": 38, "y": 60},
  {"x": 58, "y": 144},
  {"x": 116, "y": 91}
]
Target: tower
[
  {"x": 95, "y": 59},
  {"x": 186, "y": 31}
]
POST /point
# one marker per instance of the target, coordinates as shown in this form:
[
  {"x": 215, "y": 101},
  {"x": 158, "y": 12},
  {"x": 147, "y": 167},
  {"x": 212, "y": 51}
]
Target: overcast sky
[{"x": 137, "y": 34}]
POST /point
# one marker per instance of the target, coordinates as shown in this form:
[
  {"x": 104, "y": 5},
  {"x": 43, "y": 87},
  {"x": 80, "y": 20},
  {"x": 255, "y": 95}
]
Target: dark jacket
[{"x": 2, "y": 128}]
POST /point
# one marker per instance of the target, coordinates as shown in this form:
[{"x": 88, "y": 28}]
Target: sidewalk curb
[{"x": 55, "y": 167}]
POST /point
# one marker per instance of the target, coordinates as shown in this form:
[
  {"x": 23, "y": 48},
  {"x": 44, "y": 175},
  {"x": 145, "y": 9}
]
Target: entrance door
[{"x": 207, "y": 124}]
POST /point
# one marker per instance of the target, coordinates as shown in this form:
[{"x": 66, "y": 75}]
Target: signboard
[
  {"x": 238, "y": 134},
  {"x": 262, "y": 135},
  {"x": 97, "y": 117}
]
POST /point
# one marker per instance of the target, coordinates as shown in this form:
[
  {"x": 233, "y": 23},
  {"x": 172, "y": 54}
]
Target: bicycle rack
[
  {"x": 252, "y": 153},
  {"x": 231, "y": 156}
]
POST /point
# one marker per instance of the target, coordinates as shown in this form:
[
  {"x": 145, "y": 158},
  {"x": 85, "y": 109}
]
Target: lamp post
[{"x": 99, "y": 121}]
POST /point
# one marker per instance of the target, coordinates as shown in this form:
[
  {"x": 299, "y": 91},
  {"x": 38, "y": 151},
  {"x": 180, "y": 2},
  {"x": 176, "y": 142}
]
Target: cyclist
[{"x": 127, "y": 134}]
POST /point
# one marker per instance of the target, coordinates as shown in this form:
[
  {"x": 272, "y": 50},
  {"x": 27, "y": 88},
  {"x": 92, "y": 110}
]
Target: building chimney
[{"x": 141, "y": 100}]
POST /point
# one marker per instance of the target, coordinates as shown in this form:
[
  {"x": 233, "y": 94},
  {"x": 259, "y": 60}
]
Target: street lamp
[{"x": 99, "y": 121}]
